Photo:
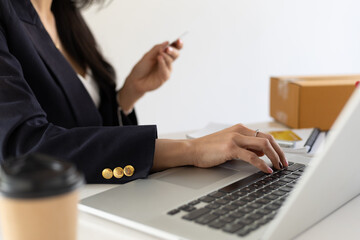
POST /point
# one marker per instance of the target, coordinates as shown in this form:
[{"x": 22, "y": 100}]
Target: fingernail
[
  {"x": 270, "y": 170},
  {"x": 169, "y": 49},
  {"x": 280, "y": 165}
]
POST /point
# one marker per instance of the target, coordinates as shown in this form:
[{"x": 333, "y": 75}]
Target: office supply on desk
[
  {"x": 312, "y": 139},
  {"x": 285, "y": 138},
  {"x": 145, "y": 204}
]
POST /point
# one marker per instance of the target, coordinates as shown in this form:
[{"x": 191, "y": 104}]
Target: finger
[
  {"x": 168, "y": 60},
  {"x": 163, "y": 67},
  {"x": 253, "y": 159},
  {"x": 158, "y": 47},
  {"x": 172, "y": 52},
  {"x": 259, "y": 153},
  {"x": 260, "y": 145},
  {"x": 178, "y": 44},
  {"x": 249, "y": 132},
  {"x": 276, "y": 147}
]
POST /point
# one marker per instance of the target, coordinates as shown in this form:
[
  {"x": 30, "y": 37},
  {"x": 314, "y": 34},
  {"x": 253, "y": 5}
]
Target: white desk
[{"x": 342, "y": 224}]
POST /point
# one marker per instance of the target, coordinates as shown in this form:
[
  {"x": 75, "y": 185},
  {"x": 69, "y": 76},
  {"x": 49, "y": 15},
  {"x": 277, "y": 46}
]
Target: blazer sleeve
[{"x": 24, "y": 129}]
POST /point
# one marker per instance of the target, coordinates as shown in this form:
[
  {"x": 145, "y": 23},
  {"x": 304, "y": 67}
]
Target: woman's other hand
[
  {"x": 149, "y": 73},
  {"x": 236, "y": 142}
]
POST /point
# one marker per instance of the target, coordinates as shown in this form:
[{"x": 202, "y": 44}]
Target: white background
[{"x": 231, "y": 50}]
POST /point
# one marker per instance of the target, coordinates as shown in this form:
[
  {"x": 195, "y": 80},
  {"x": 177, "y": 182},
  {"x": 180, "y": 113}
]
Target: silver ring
[{"x": 257, "y": 132}]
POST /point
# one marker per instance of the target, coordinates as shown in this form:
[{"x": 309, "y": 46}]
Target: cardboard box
[{"x": 309, "y": 101}]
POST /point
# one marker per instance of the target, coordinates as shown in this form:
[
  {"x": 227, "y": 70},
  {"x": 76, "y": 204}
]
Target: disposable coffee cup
[{"x": 39, "y": 198}]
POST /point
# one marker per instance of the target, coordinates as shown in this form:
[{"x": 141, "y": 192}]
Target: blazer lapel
[{"x": 81, "y": 103}]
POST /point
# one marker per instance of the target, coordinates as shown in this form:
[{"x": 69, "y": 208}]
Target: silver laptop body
[{"x": 330, "y": 180}]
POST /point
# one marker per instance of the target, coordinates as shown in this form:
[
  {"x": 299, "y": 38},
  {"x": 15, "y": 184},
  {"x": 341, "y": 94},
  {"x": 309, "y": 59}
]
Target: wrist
[
  {"x": 127, "y": 96},
  {"x": 173, "y": 153}
]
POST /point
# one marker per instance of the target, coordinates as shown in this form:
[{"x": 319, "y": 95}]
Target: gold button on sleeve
[
  {"x": 118, "y": 172},
  {"x": 129, "y": 170},
  {"x": 107, "y": 173}
]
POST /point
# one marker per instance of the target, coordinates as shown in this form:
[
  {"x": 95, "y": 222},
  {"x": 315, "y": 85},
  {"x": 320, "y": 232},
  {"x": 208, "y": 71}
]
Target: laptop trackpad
[{"x": 196, "y": 178}]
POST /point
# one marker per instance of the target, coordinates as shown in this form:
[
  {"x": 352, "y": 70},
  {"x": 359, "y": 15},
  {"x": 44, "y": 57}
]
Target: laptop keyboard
[{"x": 245, "y": 205}]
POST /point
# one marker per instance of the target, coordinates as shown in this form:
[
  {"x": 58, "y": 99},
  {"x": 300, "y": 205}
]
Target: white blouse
[
  {"x": 91, "y": 86},
  {"x": 94, "y": 91}
]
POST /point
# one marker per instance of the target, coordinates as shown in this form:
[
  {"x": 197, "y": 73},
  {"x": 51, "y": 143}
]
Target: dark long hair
[{"x": 78, "y": 40}]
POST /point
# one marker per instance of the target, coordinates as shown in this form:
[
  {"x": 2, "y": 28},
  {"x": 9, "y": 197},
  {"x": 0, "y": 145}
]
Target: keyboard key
[
  {"x": 217, "y": 194},
  {"x": 280, "y": 183},
  {"x": 227, "y": 219},
  {"x": 173, "y": 212},
  {"x": 242, "y": 183},
  {"x": 295, "y": 167},
  {"x": 264, "y": 190},
  {"x": 239, "y": 203},
  {"x": 187, "y": 208},
  {"x": 285, "y": 189},
  {"x": 216, "y": 224},
  {"x": 194, "y": 202},
  {"x": 263, "y": 221},
  {"x": 207, "y": 199},
  {"x": 248, "y": 198},
  {"x": 257, "y": 194},
  {"x": 239, "y": 193},
  {"x": 254, "y": 205},
  {"x": 287, "y": 179},
  {"x": 245, "y": 221},
  {"x": 254, "y": 216},
  {"x": 271, "y": 197},
  {"x": 246, "y": 210},
  {"x": 243, "y": 232},
  {"x": 195, "y": 214},
  {"x": 291, "y": 185},
  {"x": 262, "y": 201},
  {"x": 222, "y": 201},
  {"x": 213, "y": 206},
  {"x": 231, "y": 197},
  {"x": 221, "y": 212},
  {"x": 293, "y": 176},
  {"x": 230, "y": 207},
  {"x": 272, "y": 187},
  {"x": 254, "y": 226},
  {"x": 286, "y": 172},
  {"x": 271, "y": 216},
  {"x": 263, "y": 211},
  {"x": 279, "y": 193},
  {"x": 205, "y": 219},
  {"x": 269, "y": 179},
  {"x": 237, "y": 214},
  {"x": 272, "y": 207},
  {"x": 231, "y": 228}
]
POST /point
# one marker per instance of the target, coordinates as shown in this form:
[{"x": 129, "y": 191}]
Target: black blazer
[{"x": 45, "y": 108}]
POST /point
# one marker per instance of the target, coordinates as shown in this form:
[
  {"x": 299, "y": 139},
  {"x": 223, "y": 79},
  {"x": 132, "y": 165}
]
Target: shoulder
[{"x": 6, "y": 11}]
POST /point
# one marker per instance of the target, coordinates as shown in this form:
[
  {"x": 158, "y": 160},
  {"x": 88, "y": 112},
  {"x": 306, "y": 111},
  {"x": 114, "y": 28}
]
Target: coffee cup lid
[{"x": 38, "y": 175}]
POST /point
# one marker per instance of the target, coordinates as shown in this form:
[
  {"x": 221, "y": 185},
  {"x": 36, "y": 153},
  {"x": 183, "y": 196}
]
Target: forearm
[
  {"x": 173, "y": 153},
  {"x": 127, "y": 97}
]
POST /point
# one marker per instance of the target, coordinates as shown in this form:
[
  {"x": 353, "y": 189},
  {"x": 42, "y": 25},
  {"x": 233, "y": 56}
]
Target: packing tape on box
[
  {"x": 281, "y": 116},
  {"x": 283, "y": 87}
]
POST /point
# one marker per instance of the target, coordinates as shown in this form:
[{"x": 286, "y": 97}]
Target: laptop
[{"x": 235, "y": 200}]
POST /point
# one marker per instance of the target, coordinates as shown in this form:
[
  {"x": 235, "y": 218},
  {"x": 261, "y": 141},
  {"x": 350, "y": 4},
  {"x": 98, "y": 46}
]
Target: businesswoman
[{"x": 57, "y": 96}]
